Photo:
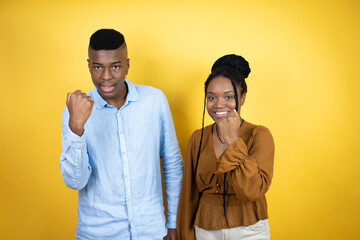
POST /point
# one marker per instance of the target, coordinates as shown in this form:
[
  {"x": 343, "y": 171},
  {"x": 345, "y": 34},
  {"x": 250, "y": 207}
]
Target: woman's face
[{"x": 220, "y": 97}]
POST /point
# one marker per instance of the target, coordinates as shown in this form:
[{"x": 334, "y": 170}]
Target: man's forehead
[{"x": 115, "y": 55}]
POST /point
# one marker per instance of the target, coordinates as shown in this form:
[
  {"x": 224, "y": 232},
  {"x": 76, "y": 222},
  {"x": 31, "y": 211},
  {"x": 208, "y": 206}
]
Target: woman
[{"x": 228, "y": 166}]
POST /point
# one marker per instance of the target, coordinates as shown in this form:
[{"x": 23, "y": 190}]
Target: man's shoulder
[
  {"x": 149, "y": 94},
  {"x": 147, "y": 90}
]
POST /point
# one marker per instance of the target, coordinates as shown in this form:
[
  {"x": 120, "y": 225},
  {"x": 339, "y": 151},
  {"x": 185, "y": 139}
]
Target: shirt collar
[{"x": 131, "y": 96}]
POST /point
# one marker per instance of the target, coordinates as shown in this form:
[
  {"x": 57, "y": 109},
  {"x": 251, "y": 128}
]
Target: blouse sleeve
[
  {"x": 249, "y": 170},
  {"x": 187, "y": 207}
]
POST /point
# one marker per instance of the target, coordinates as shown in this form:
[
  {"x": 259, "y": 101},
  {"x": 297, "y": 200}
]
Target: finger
[
  {"x": 68, "y": 98},
  {"x": 228, "y": 116},
  {"x": 235, "y": 114},
  {"x": 77, "y": 93},
  {"x": 83, "y": 95}
]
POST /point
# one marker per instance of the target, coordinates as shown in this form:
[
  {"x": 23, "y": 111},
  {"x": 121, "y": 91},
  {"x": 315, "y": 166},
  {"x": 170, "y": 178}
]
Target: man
[{"x": 112, "y": 140}]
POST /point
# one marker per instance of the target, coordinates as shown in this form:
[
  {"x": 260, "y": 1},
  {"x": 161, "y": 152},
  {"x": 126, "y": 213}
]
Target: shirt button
[
  {"x": 217, "y": 185},
  {"x": 216, "y": 191},
  {"x": 123, "y": 153}
]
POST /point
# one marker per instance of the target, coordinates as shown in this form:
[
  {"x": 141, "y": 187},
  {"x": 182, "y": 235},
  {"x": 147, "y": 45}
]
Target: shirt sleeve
[
  {"x": 74, "y": 160},
  {"x": 187, "y": 207},
  {"x": 249, "y": 170},
  {"x": 171, "y": 163}
]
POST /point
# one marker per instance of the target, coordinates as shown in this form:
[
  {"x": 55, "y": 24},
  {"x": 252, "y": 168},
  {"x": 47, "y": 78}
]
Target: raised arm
[
  {"x": 74, "y": 161},
  {"x": 249, "y": 170}
]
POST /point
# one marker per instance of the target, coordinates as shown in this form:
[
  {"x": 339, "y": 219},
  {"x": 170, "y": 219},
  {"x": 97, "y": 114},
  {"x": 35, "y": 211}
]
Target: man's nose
[{"x": 106, "y": 74}]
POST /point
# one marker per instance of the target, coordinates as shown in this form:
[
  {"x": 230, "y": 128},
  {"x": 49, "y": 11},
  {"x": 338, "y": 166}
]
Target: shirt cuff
[
  {"x": 171, "y": 224},
  {"x": 76, "y": 141}
]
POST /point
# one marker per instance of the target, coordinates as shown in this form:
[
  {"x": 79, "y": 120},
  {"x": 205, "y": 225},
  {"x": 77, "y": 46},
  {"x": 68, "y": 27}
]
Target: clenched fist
[
  {"x": 80, "y": 106},
  {"x": 229, "y": 127}
]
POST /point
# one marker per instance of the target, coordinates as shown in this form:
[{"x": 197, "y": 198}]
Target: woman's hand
[{"x": 229, "y": 126}]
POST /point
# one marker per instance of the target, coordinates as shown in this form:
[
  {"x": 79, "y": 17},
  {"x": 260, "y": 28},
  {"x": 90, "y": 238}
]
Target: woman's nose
[{"x": 219, "y": 103}]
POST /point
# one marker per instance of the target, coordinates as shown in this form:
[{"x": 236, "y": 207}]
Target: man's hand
[
  {"x": 171, "y": 234},
  {"x": 80, "y": 106},
  {"x": 229, "y": 127}
]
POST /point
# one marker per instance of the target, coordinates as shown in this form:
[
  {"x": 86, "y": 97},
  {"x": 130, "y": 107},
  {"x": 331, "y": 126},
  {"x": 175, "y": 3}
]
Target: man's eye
[
  {"x": 116, "y": 67},
  {"x": 97, "y": 67}
]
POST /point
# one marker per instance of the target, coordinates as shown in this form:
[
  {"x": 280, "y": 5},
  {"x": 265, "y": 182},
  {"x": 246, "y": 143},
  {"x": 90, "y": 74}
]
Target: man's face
[{"x": 108, "y": 69}]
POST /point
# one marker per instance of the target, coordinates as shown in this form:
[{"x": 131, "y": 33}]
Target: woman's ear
[{"x": 242, "y": 99}]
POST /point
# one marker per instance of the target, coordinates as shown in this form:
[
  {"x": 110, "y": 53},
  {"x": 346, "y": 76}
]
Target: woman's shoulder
[
  {"x": 257, "y": 132},
  {"x": 196, "y": 135}
]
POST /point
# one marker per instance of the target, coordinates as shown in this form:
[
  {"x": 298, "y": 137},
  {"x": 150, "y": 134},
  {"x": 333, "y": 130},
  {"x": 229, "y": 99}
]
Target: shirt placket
[{"x": 126, "y": 174}]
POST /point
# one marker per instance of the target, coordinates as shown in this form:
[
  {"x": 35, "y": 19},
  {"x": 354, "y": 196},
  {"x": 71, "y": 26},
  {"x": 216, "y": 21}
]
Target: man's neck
[{"x": 119, "y": 101}]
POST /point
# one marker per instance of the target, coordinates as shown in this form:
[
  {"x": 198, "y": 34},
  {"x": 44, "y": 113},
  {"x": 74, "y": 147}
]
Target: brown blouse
[{"x": 248, "y": 163}]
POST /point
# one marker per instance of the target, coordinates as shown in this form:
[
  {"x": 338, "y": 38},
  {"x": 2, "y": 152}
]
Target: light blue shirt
[{"x": 115, "y": 165}]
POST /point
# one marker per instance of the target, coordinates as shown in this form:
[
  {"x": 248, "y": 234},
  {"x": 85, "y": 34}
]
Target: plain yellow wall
[{"x": 304, "y": 86}]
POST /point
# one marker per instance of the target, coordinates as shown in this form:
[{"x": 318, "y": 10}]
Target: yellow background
[{"x": 304, "y": 86}]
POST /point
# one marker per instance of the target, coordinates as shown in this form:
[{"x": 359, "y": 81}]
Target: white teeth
[{"x": 220, "y": 113}]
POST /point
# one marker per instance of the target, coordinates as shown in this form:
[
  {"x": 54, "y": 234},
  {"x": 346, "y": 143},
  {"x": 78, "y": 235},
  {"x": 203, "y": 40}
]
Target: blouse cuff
[{"x": 232, "y": 157}]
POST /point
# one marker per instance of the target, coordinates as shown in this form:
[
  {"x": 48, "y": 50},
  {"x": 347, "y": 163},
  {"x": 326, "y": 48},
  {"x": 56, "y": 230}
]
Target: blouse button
[
  {"x": 217, "y": 185},
  {"x": 217, "y": 191}
]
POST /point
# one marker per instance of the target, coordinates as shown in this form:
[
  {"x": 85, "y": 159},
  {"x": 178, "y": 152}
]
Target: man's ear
[{"x": 127, "y": 65}]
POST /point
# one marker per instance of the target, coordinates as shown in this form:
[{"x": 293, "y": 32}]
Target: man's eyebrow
[{"x": 96, "y": 63}]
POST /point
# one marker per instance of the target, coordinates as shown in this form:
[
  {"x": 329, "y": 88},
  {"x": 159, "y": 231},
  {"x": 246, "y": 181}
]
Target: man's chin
[{"x": 106, "y": 95}]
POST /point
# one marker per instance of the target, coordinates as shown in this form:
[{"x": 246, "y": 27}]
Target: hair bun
[{"x": 234, "y": 61}]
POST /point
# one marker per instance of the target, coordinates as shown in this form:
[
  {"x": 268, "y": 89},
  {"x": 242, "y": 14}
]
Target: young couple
[{"x": 114, "y": 136}]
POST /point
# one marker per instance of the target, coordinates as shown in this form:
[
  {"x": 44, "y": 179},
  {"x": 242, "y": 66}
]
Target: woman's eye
[
  {"x": 228, "y": 97},
  {"x": 210, "y": 98}
]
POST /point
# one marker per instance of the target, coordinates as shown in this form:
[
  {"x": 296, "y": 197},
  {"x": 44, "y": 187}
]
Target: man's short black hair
[{"x": 106, "y": 39}]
